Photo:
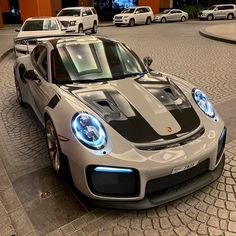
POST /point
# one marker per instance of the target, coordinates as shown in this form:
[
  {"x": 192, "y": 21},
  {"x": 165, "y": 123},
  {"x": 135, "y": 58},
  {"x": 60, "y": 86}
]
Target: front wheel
[
  {"x": 183, "y": 18},
  {"x": 80, "y": 28},
  {"x": 131, "y": 22},
  {"x": 163, "y": 20},
  {"x": 148, "y": 21},
  {"x": 58, "y": 161},
  {"x": 95, "y": 27},
  {"x": 18, "y": 94},
  {"x": 210, "y": 17}
]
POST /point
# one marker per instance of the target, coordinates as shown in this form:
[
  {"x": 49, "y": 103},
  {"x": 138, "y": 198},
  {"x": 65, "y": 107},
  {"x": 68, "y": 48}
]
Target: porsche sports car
[{"x": 129, "y": 137}]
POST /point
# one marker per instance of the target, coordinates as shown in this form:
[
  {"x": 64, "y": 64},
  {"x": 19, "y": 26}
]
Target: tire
[
  {"x": 95, "y": 27},
  {"x": 18, "y": 94},
  {"x": 148, "y": 21},
  {"x": 163, "y": 20},
  {"x": 132, "y": 22},
  {"x": 183, "y": 19},
  {"x": 80, "y": 28},
  {"x": 230, "y": 16},
  {"x": 210, "y": 17},
  {"x": 118, "y": 25},
  {"x": 58, "y": 160}
]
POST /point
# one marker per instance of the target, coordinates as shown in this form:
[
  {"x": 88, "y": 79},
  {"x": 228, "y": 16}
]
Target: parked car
[
  {"x": 124, "y": 133},
  {"x": 33, "y": 27},
  {"x": 171, "y": 15},
  {"x": 222, "y": 11},
  {"x": 134, "y": 15},
  {"x": 79, "y": 19}
]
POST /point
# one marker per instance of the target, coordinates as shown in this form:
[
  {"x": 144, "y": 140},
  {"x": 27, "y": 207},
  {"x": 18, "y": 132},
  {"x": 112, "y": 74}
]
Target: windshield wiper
[
  {"x": 141, "y": 74},
  {"x": 92, "y": 81}
]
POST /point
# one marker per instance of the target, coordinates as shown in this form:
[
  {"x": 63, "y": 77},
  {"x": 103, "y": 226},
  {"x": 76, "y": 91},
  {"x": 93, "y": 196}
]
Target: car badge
[{"x": 169, "y": 129}]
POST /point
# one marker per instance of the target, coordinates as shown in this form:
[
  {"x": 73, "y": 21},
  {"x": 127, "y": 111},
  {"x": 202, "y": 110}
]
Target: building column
[
  {"x": 37, "y": 8},
  {"x": 1, "y": 21}
]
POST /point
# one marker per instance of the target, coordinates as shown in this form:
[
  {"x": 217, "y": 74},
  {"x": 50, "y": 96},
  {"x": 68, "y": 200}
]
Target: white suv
[
  {"x": 134, "y": 15},
  {"x": 222, "y": 11},
  {"x": 79, "y": 19}
]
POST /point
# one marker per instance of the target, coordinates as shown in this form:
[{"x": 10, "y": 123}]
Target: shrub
[{"x": 192, "y": 10}]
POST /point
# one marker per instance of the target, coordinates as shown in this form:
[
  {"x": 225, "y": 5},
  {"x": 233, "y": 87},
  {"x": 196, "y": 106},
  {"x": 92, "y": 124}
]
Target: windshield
[
  {"x": 165, "y": 12},
  {"x": 69, "y": 12},
  {"x": 40, "y": 25},
  {"x": 129, "y": 10},
  {"x": 93, "y": 62},
  {"x": 211, "y": 8}
]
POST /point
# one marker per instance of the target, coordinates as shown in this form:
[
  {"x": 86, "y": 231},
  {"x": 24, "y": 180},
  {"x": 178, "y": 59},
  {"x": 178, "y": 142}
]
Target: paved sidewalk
[
  {"x": 7, "y": 35},
  {"x": 224, "y": 32}
]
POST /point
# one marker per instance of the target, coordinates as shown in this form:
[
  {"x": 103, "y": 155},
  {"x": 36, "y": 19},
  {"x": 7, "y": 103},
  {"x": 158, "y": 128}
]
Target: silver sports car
[{"x": 128, "y": 137}]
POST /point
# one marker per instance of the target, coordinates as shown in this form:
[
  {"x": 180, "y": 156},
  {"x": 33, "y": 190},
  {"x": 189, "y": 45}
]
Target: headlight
[
  {"x": 125, "y": 17},
  {"x": 203, "y": 102},
  {"x": 89, "y": 130},
  {"x": 72, "y": 23}
]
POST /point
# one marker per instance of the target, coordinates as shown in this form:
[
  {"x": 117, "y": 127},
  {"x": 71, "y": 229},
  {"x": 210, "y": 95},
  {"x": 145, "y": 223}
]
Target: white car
[
  {"x": 171, "y": 15},
  {"x": 223, "y": 11},
  {"x": 125, "y": 135},
  {"x": 33, "y": 27},
  {"x": 79, "y": 19},
  {"x": 134, "y": 15}
]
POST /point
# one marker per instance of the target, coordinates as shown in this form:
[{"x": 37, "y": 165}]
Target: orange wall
[
  {"x": 165, "y": 4},
  {"x": 86, "y": 3},
  {"x": 154, "y": 4},
  {"x": 56, "y": 7},
  {"x": 35, "y": 8},
  {"x": 4, "y": 4},
  {"x": 1, "y": 21},
  {"x": 44, "y": 7}
]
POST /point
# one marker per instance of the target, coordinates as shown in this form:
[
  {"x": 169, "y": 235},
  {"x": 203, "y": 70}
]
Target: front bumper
[
  {"x": 165, "y": 196},
  {"x": 202, "y": 16},
  {"x": 151, "y": 165},
  {"x": 157, "y": 19},
  {"x": 121, "y": 21}
]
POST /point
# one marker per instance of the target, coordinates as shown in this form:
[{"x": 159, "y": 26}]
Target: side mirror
[
  {"x": 17, "y": 30},
  {"x": 84, "y": 14},
  {"x": 147, "y": 61},
  {"x": 31, "y": 75}
]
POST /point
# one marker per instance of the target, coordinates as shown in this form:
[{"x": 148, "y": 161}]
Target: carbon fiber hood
[{"x": 142, "y": 110}]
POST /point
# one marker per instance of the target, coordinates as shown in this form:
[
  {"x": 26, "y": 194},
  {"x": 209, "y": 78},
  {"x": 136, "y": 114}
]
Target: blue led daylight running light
[
  {"x": 112, "y": 170},
  {"x": 203, "y": 102},
  {"x": 89, "y": 131}
]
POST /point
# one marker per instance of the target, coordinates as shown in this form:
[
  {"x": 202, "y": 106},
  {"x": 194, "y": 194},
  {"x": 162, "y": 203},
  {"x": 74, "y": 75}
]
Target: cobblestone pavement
[{"x": 24, "y": 166}]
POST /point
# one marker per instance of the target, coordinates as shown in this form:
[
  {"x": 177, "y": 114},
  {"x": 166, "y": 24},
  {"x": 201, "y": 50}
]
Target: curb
[
  {"x": 206, "y": 34},
  {"x": 105, "y": 25},
  {"x": 5, "y": 54}
]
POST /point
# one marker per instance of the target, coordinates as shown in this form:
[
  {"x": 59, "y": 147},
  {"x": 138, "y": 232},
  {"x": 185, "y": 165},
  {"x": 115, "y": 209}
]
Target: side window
[
  {"x": 139, "y": 10},
  {"x": 173, "y": 12},
  {"x": 228, "y": 7},
  {"x": 220, "y": 8},
  {"x": 84, "y": 13},
  {"x": 88, "y": 12},
  {"x": 39, "y": 59},
  {"x": 178, "y": 11}
]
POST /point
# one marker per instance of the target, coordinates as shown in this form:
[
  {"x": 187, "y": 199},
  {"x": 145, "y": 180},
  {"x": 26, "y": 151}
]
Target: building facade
[{"x": 20, "y": 10}]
